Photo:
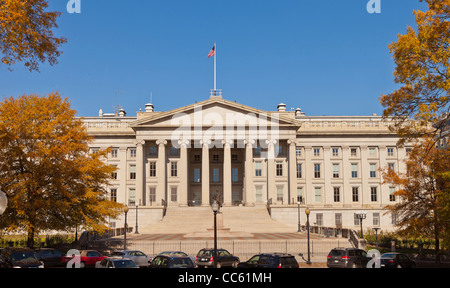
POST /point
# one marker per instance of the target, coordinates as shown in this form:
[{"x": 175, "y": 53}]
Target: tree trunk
[{"x": 30, "y": 240}]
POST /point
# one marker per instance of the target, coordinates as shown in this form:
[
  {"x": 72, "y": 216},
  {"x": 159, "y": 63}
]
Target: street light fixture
[
  {"x": 3, "y": 202},
  {"x": 376, "y": 234},
  {"x": 299, "y": 225},
  {"x": 361, "y": 215},
  {"x": 215, "y": 208},
  {"x": 125, "y": 209},
  {"x": 307, "y": 212}
]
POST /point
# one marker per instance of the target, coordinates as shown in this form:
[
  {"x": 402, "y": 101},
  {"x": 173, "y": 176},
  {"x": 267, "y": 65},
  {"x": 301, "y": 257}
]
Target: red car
[{"x": 88, "y": 258}]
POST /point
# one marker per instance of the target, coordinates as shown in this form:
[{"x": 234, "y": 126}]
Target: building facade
[{"x": 239, "y": 155}]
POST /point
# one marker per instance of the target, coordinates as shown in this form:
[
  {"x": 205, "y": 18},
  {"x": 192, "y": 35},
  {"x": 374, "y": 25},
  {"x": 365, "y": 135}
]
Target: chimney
[
  {"x": 281, "y": 107},
  {"x": 122, "y": 113},
  {"x": 149, "y": 107}
]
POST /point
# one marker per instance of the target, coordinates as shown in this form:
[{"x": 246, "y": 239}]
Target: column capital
[
  {"x": 161, "y": 142},
  {"x": 183, "y": 142},
  {"x": 292, "y": 141},
  {"x": 271, "y": 142},
  {"x": 205, "y": 142},
  {"x": 250, "y": 142},
  {"x": 228, "y": 142},
  {"x": 139, "y": 142}
]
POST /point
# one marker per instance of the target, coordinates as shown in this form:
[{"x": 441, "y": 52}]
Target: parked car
[
  {"x": 14, "y": 257},
  {"x": 138, "y": 257},
  {"x": 205, "y": 258},
  {"x": 270, "y": 260},
  {"x": 347, "y": 258},
  {"x": 116, "y": 262},
  {"x": 172, "y": 261},
  {"x": 88, "y": 258},
  {"x": 396, "y": 260},
  {"x": 51, "y": 257}
]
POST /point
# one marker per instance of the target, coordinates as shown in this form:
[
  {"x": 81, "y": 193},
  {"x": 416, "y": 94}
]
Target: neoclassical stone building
[{"x": 243, "y": 156}]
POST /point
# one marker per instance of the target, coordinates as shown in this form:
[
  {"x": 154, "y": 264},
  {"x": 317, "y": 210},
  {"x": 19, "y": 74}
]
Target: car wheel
[
  {"x": 82, "y": 265},
  {"x": 235, "y": 264},
  {"x": 354, "y": 265},
  {"x": 398, "y": 266},
  {"x": 219, "y": 265}
]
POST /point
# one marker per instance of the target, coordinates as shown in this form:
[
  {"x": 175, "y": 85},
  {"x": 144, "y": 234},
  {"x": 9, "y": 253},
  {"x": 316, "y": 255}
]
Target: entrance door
[{"x": 236, "y": 197}]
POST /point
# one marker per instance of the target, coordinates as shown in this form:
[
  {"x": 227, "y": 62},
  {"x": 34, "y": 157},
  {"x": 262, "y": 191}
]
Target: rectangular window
[
  {"x": 299, "y": 170},
  {"x": 355, "y": 194},
  {"x": 114, "y": 194},
  {"x": 373, "y": 194},
  {"x": 133, "y": 153},
  {"x": 132, "y": 197},
  {"x": 235, "y": 175},
  {"x": 335, "y": 170},
  {"x": 280, "y": 193},
  {"x": 153, "y": 151},
  {"x": 173, "y": 194},
  {"x": 114, "y": 153},
  {"x": 319, "y": 219},
  {"x": 335, "y": 151},
  {"x": 390, "y": 151},
  {"x": 298, "y": 151},
  {"x": 114, "y": 174},
  {"x": 353, "y": 152},
  {"x": 372, "y": 152},
  {"x": 355, "y": 219},
  {"x": 373, "y": 170},
  {"x": 354, "y": 170},
  {"x": 338, "y": 219},
  {"x": 196, "y": 175},
  {"x": 300, "y": 194},
  {"x": 174, "y": 151},
  {"x": 132, "y": 172},
  {"x": 279, "y": 166},
  {"x": 258, "y": 168},
  {"x": 234, "y": 157},
  {"x": 316, "y": 152},
  {"x": 215, "y": 158},
  {"x": 392, "y": 194},
  {"x": 152, "y": 194},
  {"x": 318, "y": 194},
  {"x": 337, "y": 194},
  {"x": 257, "y": 151},
  {"x": 197, "y": 158},
  {"x": 258, "y": 193},
  {"x": 316, "y": 170},
  {"x": 391, "y": 166},
  {"x": 216, "y": 175},
  {"x": 152, "y": 169},
  {"x": 174, "y": 169},
  {"x": 376, "y": 219}
]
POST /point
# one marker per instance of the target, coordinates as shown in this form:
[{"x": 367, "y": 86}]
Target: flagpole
[{"x": 215, "y": 73}]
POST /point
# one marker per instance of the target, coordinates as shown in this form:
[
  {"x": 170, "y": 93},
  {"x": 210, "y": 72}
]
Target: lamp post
[
  {"x": 136, "y": 230},
  {"x": 299, "y": 225},
  {"x": 361, "y": 215},
  {"x": 376, "y": 234},
  {"x": 3, "y": 202},
  {"x": 215, "y": 208},
  {"x": 307, "y": 212},
  {"x": 126, "y": 209}
]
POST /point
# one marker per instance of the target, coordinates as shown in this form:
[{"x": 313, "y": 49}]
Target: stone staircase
[{"x": 192, "y": 220}]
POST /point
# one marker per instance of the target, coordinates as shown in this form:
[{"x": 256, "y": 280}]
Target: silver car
[{"x": 138, "y": 257}]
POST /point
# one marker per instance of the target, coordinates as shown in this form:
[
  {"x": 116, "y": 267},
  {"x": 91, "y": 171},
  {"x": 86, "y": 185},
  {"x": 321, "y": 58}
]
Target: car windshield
[
  {"x": 124, "y": 264},
  {"x": 387, "y": 256},
  {"x": 23, "y": 257}
]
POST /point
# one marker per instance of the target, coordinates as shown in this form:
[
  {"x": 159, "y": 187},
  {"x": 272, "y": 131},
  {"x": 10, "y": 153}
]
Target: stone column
[
  {"x": 227, "y": 177},
  {"x": 161, "y": 172},
  {"x": 271, "y": 187},
  {"x": 249, "y": 192},
  {"x": 140, "y": 172},
  {"x": 205, "y": 172},
  {"x": 292, "y": 163},
  {"x": 183, "y": 173}
]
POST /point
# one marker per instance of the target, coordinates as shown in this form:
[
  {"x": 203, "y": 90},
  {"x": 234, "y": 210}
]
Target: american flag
[{"x": 212, "y": 52}]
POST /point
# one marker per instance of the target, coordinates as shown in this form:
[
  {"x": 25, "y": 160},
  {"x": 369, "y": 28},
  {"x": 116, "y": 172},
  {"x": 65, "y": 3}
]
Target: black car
[
  {"x": 205, "y": 258},
  {"x": 396, "y": 260},
  {"x": 51, "y": 257},
  {"x": 14, "y": 257},
  {"x": 347, "y": 258},
  {"x": 272, "y": 260},
  {"x": 172, "y": 261}
]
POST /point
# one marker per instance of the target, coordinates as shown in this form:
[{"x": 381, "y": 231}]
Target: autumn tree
[
  {"x": 423, "y": 209},
  {"x": 26, "y": 33},
  {"x": 423, "y": 72},
  {"x": 51, "y": 179}
]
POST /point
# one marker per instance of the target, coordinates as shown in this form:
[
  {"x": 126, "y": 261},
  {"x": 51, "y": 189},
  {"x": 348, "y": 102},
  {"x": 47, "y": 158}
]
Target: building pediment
[{"x": 214, "y": 112}]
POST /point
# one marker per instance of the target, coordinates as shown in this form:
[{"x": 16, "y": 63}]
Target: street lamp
[
  {"x": 125, "y": 209},
  {"x": 215, "y": 208},
  {"x": 307, "y": 212},
  {"x": 3, "y": 202},
  {"x": 376, "y": 234},
  {"x": 136, "y": 230},
  {"x": 299, "y": 225},
  {"x": 361, "y": 215}
]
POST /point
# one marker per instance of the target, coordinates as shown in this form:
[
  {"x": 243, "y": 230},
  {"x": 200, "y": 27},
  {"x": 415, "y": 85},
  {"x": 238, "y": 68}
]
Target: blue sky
[{"x": 328, "y": 57}]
